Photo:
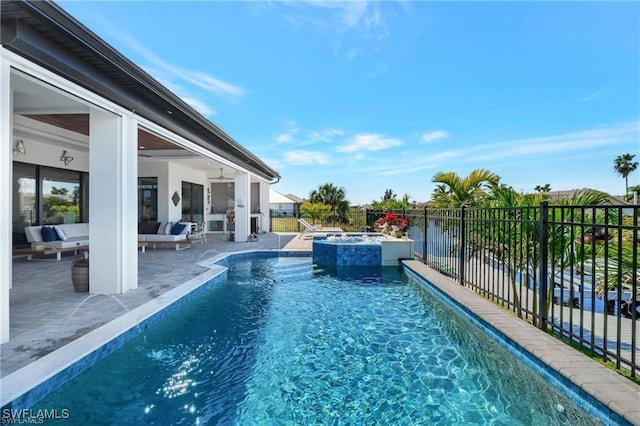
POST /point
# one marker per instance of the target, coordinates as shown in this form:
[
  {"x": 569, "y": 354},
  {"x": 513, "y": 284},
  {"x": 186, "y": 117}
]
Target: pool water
[{"x": 283, "y": 342}]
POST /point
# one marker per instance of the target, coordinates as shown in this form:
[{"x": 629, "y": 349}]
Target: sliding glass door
[
  {"x": 148, "y": 199},
  {"x": 192, "y": 202},
  {"x": 46, "y": 196}
]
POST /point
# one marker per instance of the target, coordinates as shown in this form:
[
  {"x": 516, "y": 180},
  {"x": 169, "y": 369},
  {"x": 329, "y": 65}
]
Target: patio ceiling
[{"x": 36, "y": 101}]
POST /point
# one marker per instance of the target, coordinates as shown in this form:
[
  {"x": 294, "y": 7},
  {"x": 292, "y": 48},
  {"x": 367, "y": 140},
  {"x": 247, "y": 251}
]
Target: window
[
  {"x": 25, "y": 200},
  {"x": 46, "y": 196},
  {"x": 222, "y": 197},
  {"x": 60, "y": 196},
  {"x": 148, "y": 199},
  {"x": 192, "y": 202}
]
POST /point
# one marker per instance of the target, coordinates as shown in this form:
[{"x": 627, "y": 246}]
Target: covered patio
[
  {"x": 47, "y": 313},
  {"x": 88, "y": 136}
]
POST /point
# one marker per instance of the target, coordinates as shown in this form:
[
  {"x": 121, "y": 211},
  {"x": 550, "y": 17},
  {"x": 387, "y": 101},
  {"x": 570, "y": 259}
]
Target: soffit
[{"x": 79, "y": 123}]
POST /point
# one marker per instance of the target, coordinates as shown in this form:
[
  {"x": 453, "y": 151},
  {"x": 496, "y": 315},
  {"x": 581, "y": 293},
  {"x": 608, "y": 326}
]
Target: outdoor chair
[
  {"x": 309, "y": 228},
  {"x": 198, "y": 232}
]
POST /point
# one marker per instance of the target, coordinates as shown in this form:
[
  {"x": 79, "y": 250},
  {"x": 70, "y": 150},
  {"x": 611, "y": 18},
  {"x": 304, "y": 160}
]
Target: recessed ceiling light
[
  {"x": 141, "y": 147},
  {"x": 169, "y": 112}
]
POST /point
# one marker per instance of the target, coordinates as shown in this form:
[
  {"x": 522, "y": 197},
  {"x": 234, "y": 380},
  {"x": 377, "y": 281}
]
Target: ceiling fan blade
[{"x": 221, "y": 177}]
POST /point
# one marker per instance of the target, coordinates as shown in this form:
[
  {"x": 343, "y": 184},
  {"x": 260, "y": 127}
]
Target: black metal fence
[
  {"x": 573, "y": 271},
  {"x": 570, "y": 270}
]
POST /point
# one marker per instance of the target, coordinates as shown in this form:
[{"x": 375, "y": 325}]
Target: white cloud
[
  {"x": 325, "y": 135},
  {"x": 404, "y": 170},
  {"x": 174, "y": 76},
  {"x": 370, "y": 142},
  {"x": 356, "y": 27},
  {"x": 284, "y": 138},
  {"x": 568, "y": 142},
  {"x": 533, "y": 150},
  {"x": 301, "y": 158},
  {"x": 199, "y": 106},
  {"x": 275, "y": 162},
  {"x": 204, "y": 81},
  {"x": 288, "y": 136},
  {"x": 591, "y": 96},
  {"x": 434, "y": 135},
  {"x": 308, "y": 137}
]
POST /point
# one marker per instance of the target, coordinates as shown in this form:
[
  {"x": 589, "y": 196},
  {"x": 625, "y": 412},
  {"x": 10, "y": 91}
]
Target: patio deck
[{"x": 46, "y": 312}]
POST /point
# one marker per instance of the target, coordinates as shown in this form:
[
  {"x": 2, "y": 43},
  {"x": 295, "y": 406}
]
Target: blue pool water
[{"x": 283, "y": 342}]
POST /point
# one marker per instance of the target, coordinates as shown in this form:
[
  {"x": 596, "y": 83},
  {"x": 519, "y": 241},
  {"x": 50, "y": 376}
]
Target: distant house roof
[
  {"x": 277, "y": 198},
  {"x": 295, "y": 198},
  {"x": 558, "y": 195},
  {"x": 47, "y": 35}
]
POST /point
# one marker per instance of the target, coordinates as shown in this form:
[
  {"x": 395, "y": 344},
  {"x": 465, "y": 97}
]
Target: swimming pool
[{"x": 282, "y": 341}]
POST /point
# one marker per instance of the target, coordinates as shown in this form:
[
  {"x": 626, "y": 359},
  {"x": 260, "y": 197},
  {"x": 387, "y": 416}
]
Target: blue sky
[{"x": 381, "y": 95}]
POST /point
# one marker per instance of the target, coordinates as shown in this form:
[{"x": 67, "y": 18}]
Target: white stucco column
[
  {"x": 6, "y": 193},
  {"x": 243, "y": 206},
  {"x": 113, "y": 230},
  {"x": 265, "y": 225}
]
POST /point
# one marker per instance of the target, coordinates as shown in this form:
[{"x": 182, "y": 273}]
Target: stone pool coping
[{"x": 613, "y": 391}]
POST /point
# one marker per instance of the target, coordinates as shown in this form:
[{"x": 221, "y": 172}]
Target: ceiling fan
[{"x": 221, "y": 177}]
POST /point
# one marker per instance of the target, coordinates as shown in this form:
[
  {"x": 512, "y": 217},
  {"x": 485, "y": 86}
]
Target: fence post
[
  {"x": 462, "y": 245},
  {"x": 424, "y": 235},
  {"x": 544, "y": 266}
]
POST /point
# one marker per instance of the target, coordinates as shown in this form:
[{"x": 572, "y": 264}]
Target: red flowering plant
[{"x": 391, "y": 223}]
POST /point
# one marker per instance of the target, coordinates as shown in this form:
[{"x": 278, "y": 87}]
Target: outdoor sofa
[
  {"x": 165, "y": 233},
  {"x": 63, "y": 236},
  {"x": 55, "y": 239}
]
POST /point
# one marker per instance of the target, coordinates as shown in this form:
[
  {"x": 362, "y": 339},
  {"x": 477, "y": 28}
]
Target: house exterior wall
[{"x": 6, "y": 171}]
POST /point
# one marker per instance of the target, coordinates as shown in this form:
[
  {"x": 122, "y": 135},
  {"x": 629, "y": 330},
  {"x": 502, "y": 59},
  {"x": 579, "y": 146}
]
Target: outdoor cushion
[
  {"x": 75, "y": 230},
  {"x": 167, "y": 228},
  {"x": 69, "y": 243},
  {"x": 163, "y": 224},
  {"x": 77, "y": 235},
  {"x": 155, "y": 238},
  {"x": 61, "y": 234},
  {"x": 178, "y": 228},
  {"x": 148, "y": 227},
  {"x": 48, "y": 234}
]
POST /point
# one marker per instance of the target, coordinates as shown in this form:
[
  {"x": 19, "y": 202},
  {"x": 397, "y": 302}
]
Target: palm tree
[
  {"x": 517, "y": 245},
  {"x": 632, "y": 189},
  {"x": 388, "y": 195},
  {"x": 454, "y": 191},
  {"x": 624, "y": 165},
  {"x": 543, "y": 188},
  {"x": 389, "y": 201},
  {"x": 332, "y": 196}
]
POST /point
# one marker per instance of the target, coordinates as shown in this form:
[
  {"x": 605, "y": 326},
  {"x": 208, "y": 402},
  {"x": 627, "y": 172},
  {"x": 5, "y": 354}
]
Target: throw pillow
[
  {"x": 178, "y": 228},
  {"x": 48, "y": 234},
  {"x": 148, "y": 227},
  {"x": 61, "y": 234},
  {"x": 163, "y": 224},
  {"x": 167, "y": 228}
]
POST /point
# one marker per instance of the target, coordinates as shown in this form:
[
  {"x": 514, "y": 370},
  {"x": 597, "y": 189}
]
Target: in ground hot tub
[{"x": 361, "y": 250}]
